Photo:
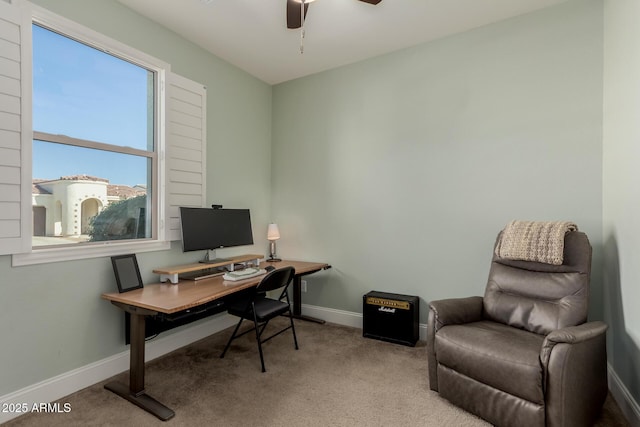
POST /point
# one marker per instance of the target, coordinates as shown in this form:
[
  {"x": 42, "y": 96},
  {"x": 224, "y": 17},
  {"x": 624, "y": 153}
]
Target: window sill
[{"x": 42, "y": 256}]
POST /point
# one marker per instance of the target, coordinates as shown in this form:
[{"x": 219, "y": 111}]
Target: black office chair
[{"x": 255, "y": 306}]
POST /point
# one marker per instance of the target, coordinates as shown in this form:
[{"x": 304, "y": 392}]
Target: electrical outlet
[{"x": 304, "y": 286}]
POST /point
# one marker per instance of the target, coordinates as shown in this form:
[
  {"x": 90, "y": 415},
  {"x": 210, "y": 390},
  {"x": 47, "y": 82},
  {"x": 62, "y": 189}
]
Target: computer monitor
[{"x": 210, "y": 229}]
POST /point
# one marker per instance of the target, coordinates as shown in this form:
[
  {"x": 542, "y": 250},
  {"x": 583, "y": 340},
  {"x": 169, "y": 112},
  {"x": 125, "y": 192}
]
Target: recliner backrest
[{"x": 541, "y": 297}]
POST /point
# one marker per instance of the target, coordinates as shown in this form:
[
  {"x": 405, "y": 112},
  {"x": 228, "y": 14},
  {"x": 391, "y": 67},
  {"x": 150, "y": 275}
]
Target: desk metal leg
[
  {"x": 135, "y": 393},
  {"x": 297, "y": 302}
]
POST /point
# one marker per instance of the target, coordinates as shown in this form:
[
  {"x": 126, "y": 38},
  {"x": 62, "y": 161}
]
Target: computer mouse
[{"x": 269, "y": 268}]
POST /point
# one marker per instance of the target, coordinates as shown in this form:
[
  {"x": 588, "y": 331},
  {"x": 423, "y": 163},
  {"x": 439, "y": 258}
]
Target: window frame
[{"x": 158, "y": 241}]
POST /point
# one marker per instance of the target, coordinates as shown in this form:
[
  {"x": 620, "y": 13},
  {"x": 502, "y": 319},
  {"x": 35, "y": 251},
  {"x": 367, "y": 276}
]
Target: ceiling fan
[{"x": 294, "y": 11}]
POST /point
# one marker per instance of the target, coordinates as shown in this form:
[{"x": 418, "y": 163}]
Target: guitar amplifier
[{"x": 391, "y": 317}]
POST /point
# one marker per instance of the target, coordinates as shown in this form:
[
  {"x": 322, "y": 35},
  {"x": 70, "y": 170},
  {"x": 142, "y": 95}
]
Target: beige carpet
[{"x": 337, "y": 378}]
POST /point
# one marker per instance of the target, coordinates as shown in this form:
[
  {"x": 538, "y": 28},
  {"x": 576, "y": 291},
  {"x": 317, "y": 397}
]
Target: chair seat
[
  {"x": 498, "y": 355},
  {"x": 265, "y": 308},
  {"x": 253, "y": 305}
]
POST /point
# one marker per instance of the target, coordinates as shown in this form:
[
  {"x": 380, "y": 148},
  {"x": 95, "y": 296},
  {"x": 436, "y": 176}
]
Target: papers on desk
[{"x": 247, "y": 273}]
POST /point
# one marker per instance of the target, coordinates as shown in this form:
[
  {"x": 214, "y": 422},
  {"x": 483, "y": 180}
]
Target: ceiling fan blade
[
  {"x": 371, "y": 1},
  {"x": 293, "y": 13}
]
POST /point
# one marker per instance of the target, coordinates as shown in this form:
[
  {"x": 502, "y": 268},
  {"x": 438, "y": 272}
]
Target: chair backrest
[
  {"x": 276, "y": 279},
  {"x": 541, "y": 297}
]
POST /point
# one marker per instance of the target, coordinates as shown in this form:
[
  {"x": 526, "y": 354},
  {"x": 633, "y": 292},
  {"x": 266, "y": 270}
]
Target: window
[
  {"x": 89, "y": 164},
  {"x": 94, "y": 150}
]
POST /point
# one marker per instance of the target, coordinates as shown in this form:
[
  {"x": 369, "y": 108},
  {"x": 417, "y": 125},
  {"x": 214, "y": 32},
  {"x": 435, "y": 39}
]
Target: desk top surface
[{"x": 169, "y": 298}]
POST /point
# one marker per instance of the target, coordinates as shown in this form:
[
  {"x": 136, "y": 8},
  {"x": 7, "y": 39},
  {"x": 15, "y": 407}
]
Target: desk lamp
[{"x": 273, "y": 234}]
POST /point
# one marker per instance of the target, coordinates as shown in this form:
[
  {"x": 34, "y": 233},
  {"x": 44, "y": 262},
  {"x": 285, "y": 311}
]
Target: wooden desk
[{"x": 172, "y": 298}]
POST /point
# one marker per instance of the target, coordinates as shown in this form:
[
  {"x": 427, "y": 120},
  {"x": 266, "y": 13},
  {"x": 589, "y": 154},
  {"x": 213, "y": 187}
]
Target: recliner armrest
[
  {"x": 456, "y": 311},
  {"x": 575, "y": 358},
  {"x": 571, "y": 335},
  {"x": 448, "y": 312}
]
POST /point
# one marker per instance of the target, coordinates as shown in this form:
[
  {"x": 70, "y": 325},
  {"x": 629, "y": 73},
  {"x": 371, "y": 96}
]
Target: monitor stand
[
  {"x": 215, "y": 261},
  {"x": 171, "y": 274},
  {"x": 210, "y": 258}
]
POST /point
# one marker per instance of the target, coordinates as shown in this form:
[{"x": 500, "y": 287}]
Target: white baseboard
[
  {"x": 623, "y": 397},
  {"x": 62, "y": 385},
  {"x": 340, "y": 317}
]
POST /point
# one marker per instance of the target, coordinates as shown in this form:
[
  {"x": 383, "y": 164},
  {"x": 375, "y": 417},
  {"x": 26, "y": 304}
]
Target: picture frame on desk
[{"x": 127, "y": 272}]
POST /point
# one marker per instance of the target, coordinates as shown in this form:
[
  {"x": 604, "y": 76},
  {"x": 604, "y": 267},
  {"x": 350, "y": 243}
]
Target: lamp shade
[{"x": 272, "y": 232}]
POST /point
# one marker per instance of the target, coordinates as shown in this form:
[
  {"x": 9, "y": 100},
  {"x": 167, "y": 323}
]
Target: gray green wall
[
  {"x": 401, "y": 170},
  {"x": 621, "y": 157},
  {"x": 398, "y": 170},
  {"x": 52, "y": 318}
]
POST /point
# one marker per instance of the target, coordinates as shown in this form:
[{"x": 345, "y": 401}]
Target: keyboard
[
  {"x": 202, "y": 274},
  {"x": 247, "y": 273}
]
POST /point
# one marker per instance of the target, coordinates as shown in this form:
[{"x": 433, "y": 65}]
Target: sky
[{"x": 84, "y": 93}]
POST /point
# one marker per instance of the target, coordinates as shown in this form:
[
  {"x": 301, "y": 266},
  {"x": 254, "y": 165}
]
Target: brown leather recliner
[{"x": 523, "y": 355}]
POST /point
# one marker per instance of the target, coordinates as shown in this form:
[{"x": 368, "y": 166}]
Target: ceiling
[{"x": 253, "y": 35}]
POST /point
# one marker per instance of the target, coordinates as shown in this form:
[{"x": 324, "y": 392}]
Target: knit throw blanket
[{"x": 539, "y": 241}]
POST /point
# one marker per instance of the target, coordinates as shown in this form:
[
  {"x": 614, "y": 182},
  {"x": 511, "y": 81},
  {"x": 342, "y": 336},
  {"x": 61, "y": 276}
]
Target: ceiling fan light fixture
[{"x": 296, "y": 16}]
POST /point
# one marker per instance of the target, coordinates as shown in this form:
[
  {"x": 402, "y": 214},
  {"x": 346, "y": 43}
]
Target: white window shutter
[
  {"x": 15, "y": 128},
  {"x": 186, "y": 154}
]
